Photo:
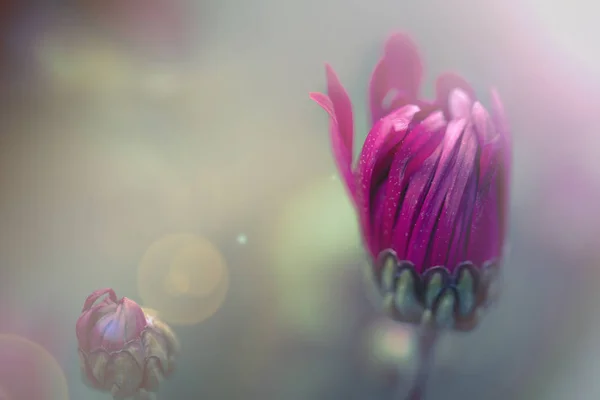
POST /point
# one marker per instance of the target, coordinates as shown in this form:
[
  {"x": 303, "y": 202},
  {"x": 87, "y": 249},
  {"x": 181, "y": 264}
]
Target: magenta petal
[
  {"x": 445, "y": 85},
  {"x": 499, "y": 118},
  {"x": 82, "y": 328},
  {"x": 122, "y": 324},
  {"x": 91, "y": 312},
  {"x": 399, "y": 124},
  {"x": 343, "y": 109},
  {"x": 378, "y": 90},
  {"x": 488, "y": 226},
  {"x": 489, "y": 163},
  {"x": 343, "y": 158},
  {"x": 501, "y": 125},
  {"x": 386, "y": 153},
  {"x": 364, "y": 172},
  {"x": 417, "y": 178},
  {"x": 459, "y": 104},
  {"x": 371, "y": 153},
  {"x": 400, "y": 69},
  {"x": 96, "y": 334},
  {"x": 404, "y": 63},
  {"x": 447, "y": 224},
  {"x": 92, "y": 298},
  {"x": 341, "y": 129},
  {"x": 424, "y": 228},
  {"x": 458, "y": 246},
  {"x": 483, "y": 124},
  {"x": 377, "y": 212},
  {"x": 485, "y": 241},
  {"x": 504, "y": 176},
  {"x": 420, "y": 142}
]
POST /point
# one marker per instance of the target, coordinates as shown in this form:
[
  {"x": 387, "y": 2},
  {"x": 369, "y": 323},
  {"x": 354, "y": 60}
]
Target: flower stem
[{"x": 426, "y": 345}]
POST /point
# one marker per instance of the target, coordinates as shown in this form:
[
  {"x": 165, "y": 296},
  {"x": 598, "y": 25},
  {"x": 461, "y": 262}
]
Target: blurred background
[{"x": 168, "y": 149}]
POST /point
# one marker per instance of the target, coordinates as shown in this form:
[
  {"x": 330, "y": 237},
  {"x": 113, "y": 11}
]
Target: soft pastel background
[{"x": 168, "y": 149}]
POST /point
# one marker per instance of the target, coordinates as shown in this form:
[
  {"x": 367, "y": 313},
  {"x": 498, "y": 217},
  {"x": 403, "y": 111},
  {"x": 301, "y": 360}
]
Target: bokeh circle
[
  {"x": 184, "y": 278},
  {"x": 28, "y": 371}
]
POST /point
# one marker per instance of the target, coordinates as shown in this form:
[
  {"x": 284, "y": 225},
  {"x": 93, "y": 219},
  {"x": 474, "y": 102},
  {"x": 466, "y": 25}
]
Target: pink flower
[
  {"x": 122, "y": 350},
  {"x": 430, "y": 186}
]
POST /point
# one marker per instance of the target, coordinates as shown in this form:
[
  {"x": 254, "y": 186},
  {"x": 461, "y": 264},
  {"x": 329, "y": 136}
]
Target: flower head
[
  {"x": 430, "y": 186},
  {"x": 122, "y": 349}
]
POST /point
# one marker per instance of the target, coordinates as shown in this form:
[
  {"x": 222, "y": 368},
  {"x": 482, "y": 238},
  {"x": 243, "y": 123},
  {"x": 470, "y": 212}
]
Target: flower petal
[
  {"x": 425, "y": 226},
  {"x": 342, "y": 106},
  {"x": 97, "y": 294},
  {"x": 483, "y": 124},
  {"x": 124, "y": 323},
  {"x": 419, "y": 143},
  {"x": 339, "y": 108},
  {"x": 459, "y": 175},
  {"x": 459, "y": 104},
  {"x": 417, "y": 180},
  {"x": 485, "y": 241},
  {"x": 491, "y": 172},
  {"x": 489, "y": 163},
  {"x": 399, "y": 70},
  {"x": 488, "y": 228},
  {"x": 486, "y": 231},
  {"x": 501, "y": 124},
  {"x": 376, "y": 216},
  {"x": 445, "y": 85},
  {"x": 394, "y": 125},
  {"x": 457, "y": 253}
]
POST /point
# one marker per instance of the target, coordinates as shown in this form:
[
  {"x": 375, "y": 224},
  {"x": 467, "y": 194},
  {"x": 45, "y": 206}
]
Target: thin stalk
[{"x": 426, "y": 346}]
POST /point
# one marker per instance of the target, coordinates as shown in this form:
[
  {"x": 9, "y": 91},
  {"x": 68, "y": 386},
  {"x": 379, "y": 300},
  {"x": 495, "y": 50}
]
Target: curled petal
[
  {"x": 425, "y": 225},
  {"x": 399, "y": 70},
  {"x": 115, "y": 329},
  {"x": 401, "y": 127},
  {"x": 122, "y": 345},
  {"x": 338, "y": 106},
  {"x": 91, "y": 313},
  {"x": 417, "y": 180},
  {"x": 489, "y": 163},
  {"x": 419, "y": 144},
  {"x": 343, "y": 108},
  {"x": 485, "y": 242},
  {"x": 460, "y": 238},
  {"x": 109, "y": 325},
  {"x": 502, "y": 198},
  {"x": 446, "y": 226},
  {"x": 459, "y": 104},
  {"x": 395, "y": 125},
  {"x": 92, "y": 298},
  {"x": 373, "y": 236},
  {"x": 500, "y": 122},
  {"x": 493, "y": 179},
  {"x": 483, "y": 124},
  {"x": 503, "y": 179},
  {"x": 445, "y": 85}
]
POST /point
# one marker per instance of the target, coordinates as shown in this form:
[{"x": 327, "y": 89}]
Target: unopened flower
[
  {"x": 430, "y": 188},
  {"x": 122, "y": 349}
]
